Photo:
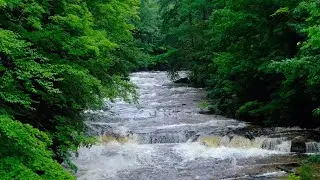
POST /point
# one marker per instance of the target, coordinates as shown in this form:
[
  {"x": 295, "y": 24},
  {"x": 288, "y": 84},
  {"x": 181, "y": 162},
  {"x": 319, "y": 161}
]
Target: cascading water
[
  {"x": 275, "y": 144},
  {"x": 165, "y": 138},
  {"x": 313, "y": 147}
]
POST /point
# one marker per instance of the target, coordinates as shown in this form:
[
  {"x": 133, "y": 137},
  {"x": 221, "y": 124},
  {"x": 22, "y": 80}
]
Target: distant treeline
[{"x": 258, "y": 59}]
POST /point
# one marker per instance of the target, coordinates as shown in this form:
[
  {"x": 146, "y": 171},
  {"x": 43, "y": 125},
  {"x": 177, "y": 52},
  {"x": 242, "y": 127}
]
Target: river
[{"x": 164, "y": 137}]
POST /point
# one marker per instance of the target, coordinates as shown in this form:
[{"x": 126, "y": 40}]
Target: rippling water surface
[{"x": 164, "y": 137}]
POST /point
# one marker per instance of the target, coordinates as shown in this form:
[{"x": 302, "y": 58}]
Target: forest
[{"x": 257, "y": 59}]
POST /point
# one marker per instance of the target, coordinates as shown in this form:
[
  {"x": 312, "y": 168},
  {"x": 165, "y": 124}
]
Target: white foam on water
[
  {"x": 105, "y": 161},
  {"x": 121, "y": 130},
  {"x": 162, "y": 117},
  {"x": 272, "y": 174},
  {"x": 262, "y": 142},
  {"x": 240, "y": 125},
  {"x": 278, "y": 144},
  {"x": 313, "y": 147},
  {"x": 181, "y": 89},
  {"x": 285, "y": 146},
  {"x": 209, "y": 123},
  {"x": 148, "y": 95},
  {"x": 172, "y": 126},
  {"x": 192, "y": 151}
]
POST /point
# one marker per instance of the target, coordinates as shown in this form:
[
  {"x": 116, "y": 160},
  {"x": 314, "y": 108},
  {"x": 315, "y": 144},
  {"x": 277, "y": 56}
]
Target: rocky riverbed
[{"x": 165, "y": 137}]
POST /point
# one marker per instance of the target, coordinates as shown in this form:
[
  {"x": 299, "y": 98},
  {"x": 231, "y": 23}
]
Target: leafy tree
[
  {"x": 258, "y": 59},
  {"x": 25, "y": 154},
  {"x": 57, "y": 59},
  {"x": 148, "y": 46}
]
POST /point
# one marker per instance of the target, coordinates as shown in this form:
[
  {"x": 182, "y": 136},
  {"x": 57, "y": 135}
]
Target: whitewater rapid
[{"x": 164, "y": 137}]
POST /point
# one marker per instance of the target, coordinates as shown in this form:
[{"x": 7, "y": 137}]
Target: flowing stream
[{"x": 164, "y": 137}]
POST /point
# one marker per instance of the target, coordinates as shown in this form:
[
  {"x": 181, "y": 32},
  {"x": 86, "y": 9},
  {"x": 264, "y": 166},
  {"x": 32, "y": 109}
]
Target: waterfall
[
  {"x": 164, "y": 137},
  {"x": 313, "y": 147},
  {"x": 276, "y": 144},
  {"x": 240, "y": 141}
]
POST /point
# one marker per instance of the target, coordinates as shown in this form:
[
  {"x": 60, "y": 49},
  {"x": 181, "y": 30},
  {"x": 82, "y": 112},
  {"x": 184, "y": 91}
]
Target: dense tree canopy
[
  {"x": 258, "y": 59},
  {"x": 57, "y": 59},
  {"x": 148, "y": 38}
]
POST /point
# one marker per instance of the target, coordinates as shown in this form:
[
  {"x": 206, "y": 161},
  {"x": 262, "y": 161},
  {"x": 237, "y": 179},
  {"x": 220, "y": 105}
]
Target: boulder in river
[
  {"x": 298, "y": 144},
  {"x": 183, "y": 81}
]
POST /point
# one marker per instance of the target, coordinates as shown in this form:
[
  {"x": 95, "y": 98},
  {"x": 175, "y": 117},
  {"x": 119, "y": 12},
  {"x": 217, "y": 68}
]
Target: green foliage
[
  {"x": 25, "y": 154},
  {"x": 309, "y": 169},
  {"x": 314, "y": 159},
  {"x": 281, "y": 11},
  {"x": 306, "y": 172},
  {"x": 258, "y": 59},
  {"x": 57, "y": 59},
  {"x": 203, "y": 105},
  {"x": 148, "y": 38},
  {"x": 294, "y": 177},
  {"x": 248, "y": 110}
]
